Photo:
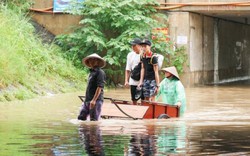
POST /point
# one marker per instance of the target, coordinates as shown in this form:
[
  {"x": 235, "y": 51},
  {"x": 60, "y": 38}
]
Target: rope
[{"x": 113, "y": 101}]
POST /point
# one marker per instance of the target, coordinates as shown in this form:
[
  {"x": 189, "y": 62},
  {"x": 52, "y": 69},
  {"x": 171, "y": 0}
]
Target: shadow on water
[{"x": 217, "y": 122}]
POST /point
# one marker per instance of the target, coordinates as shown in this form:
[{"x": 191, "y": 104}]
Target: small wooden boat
[{"x": 143, "y": 110}]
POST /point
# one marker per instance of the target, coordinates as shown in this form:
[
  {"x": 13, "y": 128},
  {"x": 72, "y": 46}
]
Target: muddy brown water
[{"x": 217, "y": 122}]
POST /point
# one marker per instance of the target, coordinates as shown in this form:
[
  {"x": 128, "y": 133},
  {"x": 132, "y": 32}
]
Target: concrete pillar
[{"x": 216, "y": 51}]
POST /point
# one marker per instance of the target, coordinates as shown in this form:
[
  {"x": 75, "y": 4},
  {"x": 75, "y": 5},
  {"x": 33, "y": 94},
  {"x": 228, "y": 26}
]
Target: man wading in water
[{"x": 94, "y": 93}]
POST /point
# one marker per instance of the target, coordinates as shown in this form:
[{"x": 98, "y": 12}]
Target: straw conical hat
[
  {"x": 171, "y": 70},
  {"x": 86, "y": 62}
]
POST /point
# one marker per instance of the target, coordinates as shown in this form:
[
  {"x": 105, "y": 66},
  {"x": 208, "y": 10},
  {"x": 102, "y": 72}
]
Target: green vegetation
[
  {"x": 28, "y": 67},
  {"x": 108, "y": 27},
  {"x": 17, "y": 5},
  {"x": 177, "y": 58}
]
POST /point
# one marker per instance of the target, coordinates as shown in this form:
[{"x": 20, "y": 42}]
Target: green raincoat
[{"x": 172, "y": 91}]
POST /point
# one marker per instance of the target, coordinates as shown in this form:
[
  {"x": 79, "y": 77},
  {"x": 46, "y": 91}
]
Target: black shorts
[{"x": 133, "y": 93}]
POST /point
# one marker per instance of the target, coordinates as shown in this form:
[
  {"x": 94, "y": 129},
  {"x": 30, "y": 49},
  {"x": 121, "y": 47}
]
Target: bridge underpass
[{"x": 216, "y": 35}]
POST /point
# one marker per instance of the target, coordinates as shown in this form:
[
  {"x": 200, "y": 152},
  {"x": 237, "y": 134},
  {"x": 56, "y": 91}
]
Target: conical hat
[
  {"x": 171, "y": 70},
  {"x": 102, "y": 62}
]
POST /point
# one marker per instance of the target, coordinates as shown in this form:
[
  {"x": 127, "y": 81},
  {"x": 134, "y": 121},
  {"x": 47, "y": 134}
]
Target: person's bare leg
[{"x": 152, "y": 98}]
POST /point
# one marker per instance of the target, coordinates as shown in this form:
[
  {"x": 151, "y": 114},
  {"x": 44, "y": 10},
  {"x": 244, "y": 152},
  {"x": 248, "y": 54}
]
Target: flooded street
[{"x": 217, "y": 122}]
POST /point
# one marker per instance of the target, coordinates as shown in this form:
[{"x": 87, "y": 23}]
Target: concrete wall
[
  {"x": 217, "y": 49},
  {"x": 234, "y": 53},
  {"x": 178, "y": 30},
  {"x": 201, "y": 53},
  {"x": 58, "y": 23}
]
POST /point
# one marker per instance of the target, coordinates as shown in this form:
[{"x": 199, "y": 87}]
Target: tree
[{"x": 107, "y": 28}]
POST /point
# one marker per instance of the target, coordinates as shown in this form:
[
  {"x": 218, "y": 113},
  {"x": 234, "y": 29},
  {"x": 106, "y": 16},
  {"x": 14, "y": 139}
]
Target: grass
[{"x": 28, "y": 67}]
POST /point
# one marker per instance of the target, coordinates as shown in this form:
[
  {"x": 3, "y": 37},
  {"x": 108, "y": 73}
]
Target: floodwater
[{"x": 217, "y": 122}]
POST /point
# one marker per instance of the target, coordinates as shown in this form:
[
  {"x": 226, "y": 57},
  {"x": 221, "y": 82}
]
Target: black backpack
[{"x": 136, "y": 72}]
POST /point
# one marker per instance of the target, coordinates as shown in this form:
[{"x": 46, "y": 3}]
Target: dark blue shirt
[{"x": 96, "y": 79}]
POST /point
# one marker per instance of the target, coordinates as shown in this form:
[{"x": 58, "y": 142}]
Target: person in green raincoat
[{"x": 172, "y": 90}]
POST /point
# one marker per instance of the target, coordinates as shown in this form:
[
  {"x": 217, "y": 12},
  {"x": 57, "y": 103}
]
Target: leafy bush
[
  {"x": 108, "y": 27},
  {"x": 17, "y": 5}
]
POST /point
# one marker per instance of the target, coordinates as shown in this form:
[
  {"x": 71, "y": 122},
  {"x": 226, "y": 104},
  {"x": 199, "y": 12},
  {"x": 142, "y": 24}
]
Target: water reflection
[
  {"x": 91, "y": 139},
  {"x": 172, "y": 140},
  {"x": 147, "y": 138},
  {"x": 143, "y": 144},
  {"x": 219, "y": 140}
]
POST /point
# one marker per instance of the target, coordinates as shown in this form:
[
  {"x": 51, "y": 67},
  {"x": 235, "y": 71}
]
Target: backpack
[
  {"x": 136, "y": 72},
  {"x": 160, "y": 59}
]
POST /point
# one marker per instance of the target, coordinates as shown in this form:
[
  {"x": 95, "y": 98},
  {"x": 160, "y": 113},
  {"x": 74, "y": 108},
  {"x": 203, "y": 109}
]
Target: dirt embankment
[{"x": 46, "y": 36}]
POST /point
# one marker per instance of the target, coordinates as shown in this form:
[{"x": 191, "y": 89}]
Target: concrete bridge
[{"x": 215, "y": 33}]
